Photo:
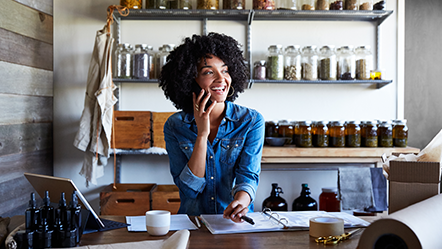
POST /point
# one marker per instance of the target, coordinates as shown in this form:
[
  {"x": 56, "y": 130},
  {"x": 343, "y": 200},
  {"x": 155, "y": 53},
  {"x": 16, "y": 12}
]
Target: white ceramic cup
[{"x": 157, "y": 222}]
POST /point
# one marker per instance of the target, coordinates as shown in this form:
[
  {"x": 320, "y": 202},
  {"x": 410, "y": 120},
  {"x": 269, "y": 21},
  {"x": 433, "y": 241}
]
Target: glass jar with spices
[
  {"x": 322, "y": 5},
  {"x": 320, "y": 134},
  {"x": 185, "y": 4},
  {"x": 162, "y": 56},
  {"x": 123, "y": 64},
  {"x": 152, "y": 57},
  {"x": 385, "y": 134},
  {"x": 296, "y": 133},
  {"x": 309, "y": 61},
  {"x": 353, "y": 134},
  {"x": 305, "y": 134},
  {"x": 207, "y": 4},
  {"x": 275, "y": 63},
  {"x": 400, "y": 133},
  {"x": 286, "y": 4},
  {"x": 365, "y": 4},
  {"x": 292, "y": 63},
  {"x": 336, "y": 4},
  {"x": 364, "y": 62},
  {"x": 306, "y": 5},
  {"x": 271, "y": 129},
  {"x": 264, "y": 5},
  {"x": 329, "y": 200},
  {"x": 337, "y": 134},
  {"x": 157, "y": 62},
  {"x": 363, "y": 132},
  {"x": 131, "y": 4},
  {"x": 327, "y": 63},
  {"x": 234, "y": 4},
  {"x": 351, "y": 5},
  {"x": 346, "y": 64},
  {"x": 259, "y": 70},
  {"x": 140, "y": 62},
  {"x": 285, "y": 130},
  {"x": 371, "y": 134}
]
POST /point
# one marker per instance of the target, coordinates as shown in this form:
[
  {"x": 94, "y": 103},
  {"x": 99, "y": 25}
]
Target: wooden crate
[
  {"x": 132, "y": 129},
  {"x": 158, "y": 120},
  {"x": 166, "y": 197},
  {"x": 127, "y": 199}
]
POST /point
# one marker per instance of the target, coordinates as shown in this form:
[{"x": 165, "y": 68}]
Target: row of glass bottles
[
  {"x": 309, "y": 63},
  {"x": 328, "y": 200},
  {"x": 259, "y": 4},
  {"x": 140, "y": 62},
  {"x": 340, "y": 134}
]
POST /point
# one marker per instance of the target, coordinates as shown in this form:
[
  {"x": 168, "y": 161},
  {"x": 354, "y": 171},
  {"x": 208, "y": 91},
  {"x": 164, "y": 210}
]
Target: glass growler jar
[
  {"x": 274, "y": 201},
  {"x": 124, "y": 61},
  {"x": 329, "y": 200},
  {"x": 385, "y": 134},
  {"x": 305, "y": 202},
  {"x": 309, "y": 63},
  {"x": 140, "y": 62},
  {"x": 285, "y": 130},
  {"x": 371, "y": 134},
  {"x": 207, "y": 4},
  {"x": 400, "y": 133},
  {"x": 306, "y": 4},
  {"x": 364, "y": 62},
  {"x": 337, "y": 134},
  {"x": 275, "y": 63},
  {"x": 292, "y": 63},
  {"x": 320, "y": 134},
  {"x": 305, "y": 134},
  {"x": 346, "y": 64},
  {"x": 353, "y": 134},
  {"x": 260, "y": 70},
  {"x": 327, "y": 63}
]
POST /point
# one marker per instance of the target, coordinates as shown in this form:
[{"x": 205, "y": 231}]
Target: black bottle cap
[
  {"x": 46, "y": 200},
  {"x": 304, "y": 185},
  {"x": 62, "y": 202},
  {"x": 32, "y": 201},
  {"x": 74, "y": 200}
]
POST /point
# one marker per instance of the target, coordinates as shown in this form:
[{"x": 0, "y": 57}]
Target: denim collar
[{"x": 231, "y": 115}]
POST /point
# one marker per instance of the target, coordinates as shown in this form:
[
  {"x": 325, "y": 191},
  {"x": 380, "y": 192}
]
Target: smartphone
[{"x": 197, "y": 90}]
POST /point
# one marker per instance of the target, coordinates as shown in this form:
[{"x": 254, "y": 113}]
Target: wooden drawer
[
  {"x": 132, "y": 129},
  {"x": 166, "y": 197},
  {"x": 158, "y": 120},
  {"x": 127, "y": 199}
]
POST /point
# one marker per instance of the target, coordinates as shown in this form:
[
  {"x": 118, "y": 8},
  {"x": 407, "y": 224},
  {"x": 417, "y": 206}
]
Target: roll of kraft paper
[
  {"x": 326, "y": 226},
  {"x": 417, "y": 226}
]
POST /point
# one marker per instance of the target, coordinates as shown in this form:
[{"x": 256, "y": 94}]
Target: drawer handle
[
  {"x": 125, "y": 201},
  {"x": 125, "y": 118},
  {"x": 174, "y": 200}
]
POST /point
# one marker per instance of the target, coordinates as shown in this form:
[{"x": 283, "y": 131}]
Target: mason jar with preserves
[
  {"x": 264, "y": 5},
  {"x": 185, "y": 4},
  {"x": 337, "y": 134},
  {"x": 296, "y": 133},
  {"x": 329, "y": 200},
  {"x": 365, "y": 4},
  {"x": 123, "y": 63},
  {"x": 371, "y": 134},
  {"x": 320, "y": 134},
  {"x": 259, "y": 70},
  {"x": 351, "y": 5},
  {"x": 275, "y": 63},
  {"x": 327, "y": 63},
  {"x": 309, "y": 61},
  {"x": 322, "y": 5},
  {"x": 305, "y": 132},
  {"x": 400, "y": 133},
  {"x": 292, "y": 63},
  {"x": 364, "y": 62},
  {"x": 306, "y": 5},
  {"x": 234, "y": 4},
  {"x": 207, "y": 4},
  {"x": 271, "y": 128},
  {"x": 353, "y": 134},
  {"x": 385, "y": 134},
  {"x": 285, "y": 129},
  {"x": 131, "y": 4},
  {"x": 346, "y": 63}
]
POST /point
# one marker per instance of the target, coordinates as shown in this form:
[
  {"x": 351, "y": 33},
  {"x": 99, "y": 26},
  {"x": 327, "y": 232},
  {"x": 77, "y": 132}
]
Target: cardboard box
[
  {"x": 166, "y": 197},
  {"x": 132, "y": 129},
  {"x": 412, "y": 182},
  {"x": 158, "y": 120},
  {"x": 126, "y": 199}
]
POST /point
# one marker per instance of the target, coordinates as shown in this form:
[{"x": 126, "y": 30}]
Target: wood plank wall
[{"x": 26, "y": 97}]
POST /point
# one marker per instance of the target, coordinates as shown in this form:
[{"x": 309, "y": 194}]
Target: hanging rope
[{"x": 110, "y": 11}]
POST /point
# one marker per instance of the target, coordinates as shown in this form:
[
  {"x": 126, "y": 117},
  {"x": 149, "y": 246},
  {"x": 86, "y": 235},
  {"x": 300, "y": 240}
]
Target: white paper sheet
[{"x": 177, "y": 222}]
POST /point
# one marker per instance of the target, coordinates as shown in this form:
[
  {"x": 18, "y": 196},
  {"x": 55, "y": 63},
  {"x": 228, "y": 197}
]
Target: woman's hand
[
  {"x": 238, "y": 207},
  {"x": 202, "y": 119}
]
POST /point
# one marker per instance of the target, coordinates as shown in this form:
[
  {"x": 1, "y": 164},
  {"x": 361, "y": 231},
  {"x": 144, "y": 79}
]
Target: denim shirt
[{"x": 233, "y": 160}]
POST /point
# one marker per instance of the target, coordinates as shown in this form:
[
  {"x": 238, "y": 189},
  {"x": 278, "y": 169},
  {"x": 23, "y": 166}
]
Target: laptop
[{"x": 56, "y": 186}]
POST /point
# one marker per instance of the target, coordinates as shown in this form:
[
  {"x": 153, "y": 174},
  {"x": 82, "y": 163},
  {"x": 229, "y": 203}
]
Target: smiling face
[{"x": 213, "y": 76}]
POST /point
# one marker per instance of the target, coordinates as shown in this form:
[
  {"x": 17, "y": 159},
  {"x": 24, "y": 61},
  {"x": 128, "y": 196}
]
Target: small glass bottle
[
  {"x": 351, "y": 5},
  {"x": 320, "y": 134},
  {"x": 305, "y": 202},
  {"x": 353, "y": 134},
  {"x": 364, "y": 62},
  {"x": 371, "y": 134},
  {"x": 275, "y": 63},
  {"x": 385, "y": 134},
  {"x": 274, "y": 201},
  {"x": 327, "y": 63},
  {"x": 336, "y": 4},
  {"x": 337, "y": 134},
  {"x": 365, "y": 4},
  {"x": 285, "y": 130},
  {"x": 124, "y": 61},
  {"x": 131, "y": 4},
  {"x": 347, "y": 64},
  {"x": 322, "y": 5},
  {"x": 207, "y": 4},
  {"x": 292, "y": 63},
  {"x": 329, "y": 201},
  {"x": 305, "y": 132},
  {"x": 400, "y": 133},
  {"x": 140, "y": 63},
  {"x": 271, "y": 129},
  {"x": 234, "y": 4},
  {"x": 306, "y": 5},
  {"x": 260, "y": 70},
  {"x": 264, "y": 5},
  {"x": 309, "y": 63}
]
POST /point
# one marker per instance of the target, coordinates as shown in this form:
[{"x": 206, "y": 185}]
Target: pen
[
  {"x": 197, "y": 221},
  {"x": 248, "y": 220}
]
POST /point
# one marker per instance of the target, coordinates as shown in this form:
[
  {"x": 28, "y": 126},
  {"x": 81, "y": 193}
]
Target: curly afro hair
[{"x": 179, "y": 72}]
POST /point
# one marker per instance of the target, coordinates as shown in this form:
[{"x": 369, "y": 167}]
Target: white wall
[{"x": 75, "y": 25}]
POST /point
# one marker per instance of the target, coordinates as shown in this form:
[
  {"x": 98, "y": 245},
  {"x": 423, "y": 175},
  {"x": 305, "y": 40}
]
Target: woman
[{"x": 214, "y": 145}]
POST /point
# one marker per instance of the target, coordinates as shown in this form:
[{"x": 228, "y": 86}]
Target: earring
[{"x": 233, "y": 92}]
